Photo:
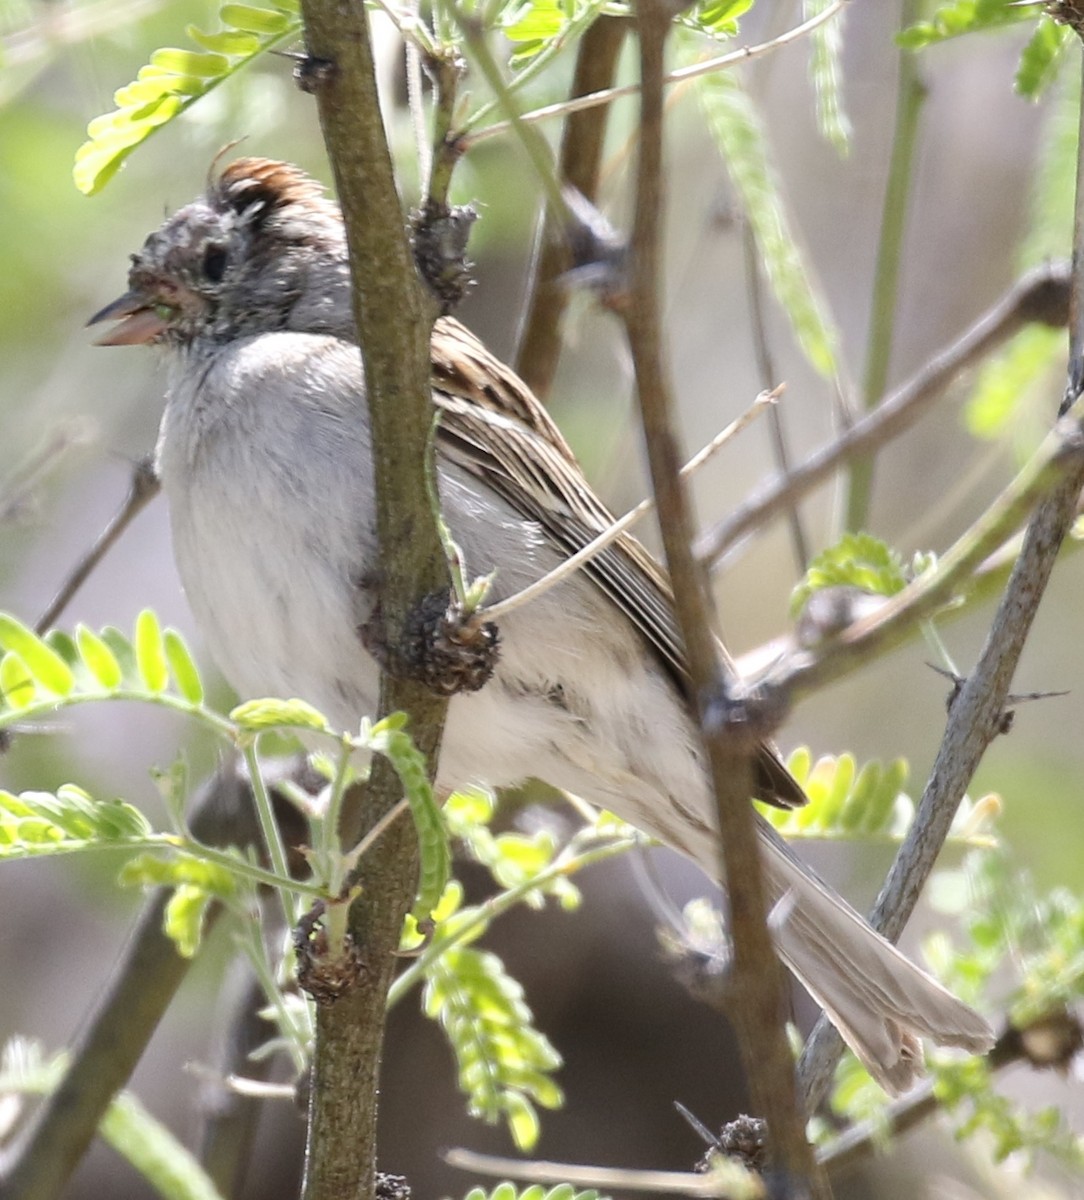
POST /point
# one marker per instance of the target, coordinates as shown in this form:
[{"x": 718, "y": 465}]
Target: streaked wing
[{"x": 494, "y": 428}]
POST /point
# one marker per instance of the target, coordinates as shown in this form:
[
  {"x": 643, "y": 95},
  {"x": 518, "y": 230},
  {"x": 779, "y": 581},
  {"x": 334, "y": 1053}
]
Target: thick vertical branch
[
  {"x": 394, "y": 318},
  {"x": 758, "y": 992}
]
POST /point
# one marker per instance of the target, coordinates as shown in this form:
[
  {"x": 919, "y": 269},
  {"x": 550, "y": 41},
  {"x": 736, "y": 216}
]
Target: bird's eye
[{"x": 214, "y": 263}]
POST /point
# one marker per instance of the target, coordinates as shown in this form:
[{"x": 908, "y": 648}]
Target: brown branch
[
  {"x": 808, "y": 669},
  {"x": 579, "y": 165},
  {"x": 754, "y": 286},
  {"x": 758, "y": 981},
  {"x": 1041, "y": 295},
  {"x": 143, "y": 986},
  {"x": 681, "y": 75},
  {"x": 975, "y": 715},
  {"x": 394, "y": 318},
  {"x": 141, "y": 491}
]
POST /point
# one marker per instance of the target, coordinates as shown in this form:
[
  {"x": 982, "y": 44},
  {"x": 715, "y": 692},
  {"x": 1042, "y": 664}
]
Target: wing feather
[{"x": 495, "y": 429}]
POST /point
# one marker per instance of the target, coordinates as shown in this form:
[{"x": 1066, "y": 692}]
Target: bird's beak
[{"x": 140, "y": 321}]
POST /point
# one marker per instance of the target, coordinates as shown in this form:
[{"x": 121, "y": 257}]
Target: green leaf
[
  {"x": 522, "y": 1117},
  {"x": 182, "y": 666},
  {"x": 716, "y": 18},
  {"x": 178, "y": 870},
  {"x": 845, "y": 801},
  {"x": 507, "y": 1191},
  {"x": 17, "y": 688},
  {"x": 1011, "y": 376},
  {"x": 197, "y": 63},
  {"x": 532, "y": 26},
  {"x": 184, "y": 917},
  {"x": 826, "y": 49},
  {"x": 511, "y": 858},
  {"x": 99, "y": 660},
  {"x": 857, "y": 560},
  {"x": 122, "y": 651},
  {"x": 390, "y": 738},
  {"x": 42, "y": 662},
  {"x": 176, "y": 78},
  {"x": 1040, "y": 58},
  {"x": 257, "y": 715},
  {"x": 742, "y": 142},
  {"x": 505, "y": 1064},
  {"x": 964, "y": 16},
  {"x": 150, "y": 652},
  {"x": 39, "y": 823},
  {"x": 250, "y": 19},
  {"x": 230, "y": 42},
  {"x": 196, "y": 883}
]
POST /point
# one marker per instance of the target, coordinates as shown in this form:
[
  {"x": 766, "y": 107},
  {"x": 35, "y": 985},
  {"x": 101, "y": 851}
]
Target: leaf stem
[
  {"x": 272, "y": 836},
  {"x": 563, "y": 865}
]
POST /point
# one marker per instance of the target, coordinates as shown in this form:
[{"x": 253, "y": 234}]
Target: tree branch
[
  {"x": 143, "y": 987},
  {"x": 141, "y": 491},
  {"x": 394, "y": 318},
  {"x": 1046, "y": 1044},
  {"x": 1041, "y": 295},
  {"x": 809, "y": 668},
  {"x": 579, "y": 165},
  {"x": 758, "y": 1007}
]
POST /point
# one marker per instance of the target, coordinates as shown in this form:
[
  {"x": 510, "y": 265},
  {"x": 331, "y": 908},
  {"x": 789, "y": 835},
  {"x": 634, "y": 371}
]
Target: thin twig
[
  {"x": 532, "y": 141},
  {"x": 1057, "y": 1034},
  {"x": 974, "y": 718},
  {"x": 758, "y": 1009},
  {"x": 142, "y": 490},
  {"x": 766, "y": 368},
  {"x": 1040, "y": 295},
  {"x": 493, "y": 612},
  {"x": 678, "y": 1183},
  {"x": 866, "y": 639},
  {"x": 608, "y": 95}
]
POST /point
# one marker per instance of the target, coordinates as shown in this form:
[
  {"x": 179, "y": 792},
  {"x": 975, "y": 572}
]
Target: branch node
[
  {"x": 311, "y": 73},
  {"x": 443, "y": 646},
  {"x": 597, "y": 252},
  {"x": 1050, "y": 1042},
  {"x": 745, "y": 1140},
  {"x": 831, "y": 610},
  {"x": 745, "y": 713},
  {"x": 325, "y": 976},
  {"x": 391, "y": 1187},
  {"x": 439, "y": 234}
]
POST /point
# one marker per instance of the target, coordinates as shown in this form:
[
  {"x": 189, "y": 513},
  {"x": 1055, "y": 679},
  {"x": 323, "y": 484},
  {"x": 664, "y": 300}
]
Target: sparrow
[{"x": 264, "y": 455}]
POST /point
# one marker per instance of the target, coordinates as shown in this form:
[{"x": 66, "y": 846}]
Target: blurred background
[{"x": 75, "y": 418}]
